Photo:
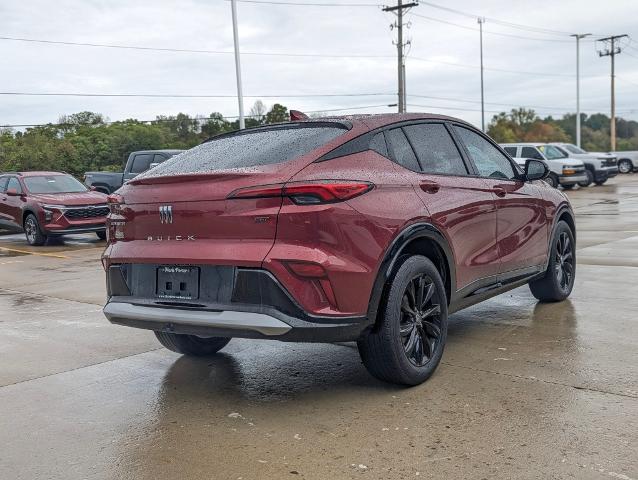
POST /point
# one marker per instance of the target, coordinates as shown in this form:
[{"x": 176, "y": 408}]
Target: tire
[
  {"x": 625, "y": 166},
  {"x": 101, "y": 235},
  {"x": 569, "y": 187},
  {"x": 590, "y": 179},
  {"x": 395, "y": 351},
  {"x": 33, "y": 232},
  {"x": 558, "y": 281},
  {"x": 192, "y": 345},
  {"x": 552, "y": 180},
  {"x": 600, "y": 182}
]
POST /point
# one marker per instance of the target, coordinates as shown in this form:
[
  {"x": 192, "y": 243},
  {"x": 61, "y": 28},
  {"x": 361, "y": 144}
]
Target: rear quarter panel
[{"x": 348, "y": 239}]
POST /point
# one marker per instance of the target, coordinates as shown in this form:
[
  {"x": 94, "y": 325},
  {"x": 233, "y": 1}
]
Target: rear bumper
[
  {"x": 245, "y": 303},
  {"x": 167, "y": 318}
]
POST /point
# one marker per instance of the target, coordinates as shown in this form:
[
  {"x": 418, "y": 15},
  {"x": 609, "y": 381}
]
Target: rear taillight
[
  {"x": 115, "y": 202},
  {"x": 308, "y": 193},
  {"x": 115, "y": 221}
]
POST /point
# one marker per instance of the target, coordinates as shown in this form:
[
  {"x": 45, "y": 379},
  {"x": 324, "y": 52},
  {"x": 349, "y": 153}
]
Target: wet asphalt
[{"x": 525, "y": 390}]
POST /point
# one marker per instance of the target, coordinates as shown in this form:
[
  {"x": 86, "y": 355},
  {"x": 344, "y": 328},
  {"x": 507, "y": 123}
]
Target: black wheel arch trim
[
  {"x": 392, "y": 254},
  {"x": 562, "y": 209},
  {"x": 25, "y": 213}
]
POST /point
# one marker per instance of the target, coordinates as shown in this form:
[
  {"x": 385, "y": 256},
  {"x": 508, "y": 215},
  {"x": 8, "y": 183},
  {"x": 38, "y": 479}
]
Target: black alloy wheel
[
  {"x": 420, "y": 325},
  {"x": 408, "y": 340},
  {"x": 564, "y": 263},
  {"x": 558, "y": 281}
]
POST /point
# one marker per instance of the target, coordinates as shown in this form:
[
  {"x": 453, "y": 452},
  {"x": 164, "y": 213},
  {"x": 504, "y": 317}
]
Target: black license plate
[{"x": 176, "y": 282}]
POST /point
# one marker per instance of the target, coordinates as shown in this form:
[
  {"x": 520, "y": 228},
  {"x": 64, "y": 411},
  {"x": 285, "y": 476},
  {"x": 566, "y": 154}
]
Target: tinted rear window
[{"x": 249, "y": 149}]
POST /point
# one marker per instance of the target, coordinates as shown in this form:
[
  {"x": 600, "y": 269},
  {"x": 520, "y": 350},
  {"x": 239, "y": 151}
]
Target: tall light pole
[
  {"x": 240, "y": 96},
  {"x": 578, "y": 36},
  {"x": 481, "y": 20}
]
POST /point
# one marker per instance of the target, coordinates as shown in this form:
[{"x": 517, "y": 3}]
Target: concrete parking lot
[{"x": 525, "y": 390}]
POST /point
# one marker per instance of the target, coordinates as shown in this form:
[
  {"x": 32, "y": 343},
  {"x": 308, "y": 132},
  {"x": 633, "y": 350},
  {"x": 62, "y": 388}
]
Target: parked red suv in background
[
  {"x": 368, "y": 228},
  {"x": 44, "y": 204}
]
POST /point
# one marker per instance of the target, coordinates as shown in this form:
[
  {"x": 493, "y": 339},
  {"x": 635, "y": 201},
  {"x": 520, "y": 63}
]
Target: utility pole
[
  {"x": 612, "y": 51},
  {"x": 399, "y": 10},
  {"x": 240, "y": 96},
  {"x": 578, "y": 36},
  {"x": 481, "y": 21}
]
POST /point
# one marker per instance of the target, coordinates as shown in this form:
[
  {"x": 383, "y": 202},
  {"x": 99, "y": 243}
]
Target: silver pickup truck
[
  {"x": 627, "y": 161},
  {"x": 138, "y": 162}
]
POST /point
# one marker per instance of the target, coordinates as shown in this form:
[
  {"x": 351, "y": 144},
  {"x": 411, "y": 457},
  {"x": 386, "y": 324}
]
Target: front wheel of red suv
[
  {"x": 191, "y": 344},
  {"x": 407, "y": 345},
  {"x": 559, "y": 277},
  {"x": 33, "y": 232}
]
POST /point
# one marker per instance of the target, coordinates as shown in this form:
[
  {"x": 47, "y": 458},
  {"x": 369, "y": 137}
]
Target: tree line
[
  {"x": 87, "y": 141},
  {"x": 523, "y": 125}
]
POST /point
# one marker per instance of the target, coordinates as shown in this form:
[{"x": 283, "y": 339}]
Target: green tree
[{"x": 277, "y": 114}]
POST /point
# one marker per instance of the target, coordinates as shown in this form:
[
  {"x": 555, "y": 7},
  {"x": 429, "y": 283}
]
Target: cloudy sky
[{"x": 349, "y": 53}]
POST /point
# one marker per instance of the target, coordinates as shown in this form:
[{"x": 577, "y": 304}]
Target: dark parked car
[
  {"x": 138, "y": 162},
  {"x": 368, "y": 228},
  {"x": 44, "y": 204}
]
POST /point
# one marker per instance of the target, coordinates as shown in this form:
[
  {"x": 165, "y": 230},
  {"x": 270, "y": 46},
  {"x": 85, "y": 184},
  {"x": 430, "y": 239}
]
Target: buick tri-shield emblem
[{"x": 166, "y": 214}]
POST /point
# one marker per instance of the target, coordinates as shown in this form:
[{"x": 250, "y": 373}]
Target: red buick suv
[
  {"x": 369, "y": 228},
  {"x": 47, "y": 204}
]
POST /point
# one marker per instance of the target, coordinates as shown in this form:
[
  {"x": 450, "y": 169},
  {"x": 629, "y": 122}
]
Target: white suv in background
[
  {"x": 563, "y": 170},
  {"x": 599, "y": 166}
]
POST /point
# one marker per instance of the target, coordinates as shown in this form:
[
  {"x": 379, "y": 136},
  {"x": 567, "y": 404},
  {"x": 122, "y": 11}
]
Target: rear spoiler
[{"x": 296, "y": 115}]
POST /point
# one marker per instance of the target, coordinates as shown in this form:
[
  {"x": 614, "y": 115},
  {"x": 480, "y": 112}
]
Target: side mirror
[
  {"x": 12, "y": 192},
  {"x": 153, "y": 165},
  {"x": 92, "y": 188},
  {"x": 535, "y": 170}
]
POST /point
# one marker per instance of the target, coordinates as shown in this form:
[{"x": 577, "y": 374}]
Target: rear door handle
[
  {"x": 430, "y": 187},
  {"x": 499, "y": 191}
]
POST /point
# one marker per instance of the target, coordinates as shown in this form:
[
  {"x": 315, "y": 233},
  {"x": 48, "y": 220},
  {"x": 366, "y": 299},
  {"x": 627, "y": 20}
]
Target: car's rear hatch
[{"x": 181, "y": 213}]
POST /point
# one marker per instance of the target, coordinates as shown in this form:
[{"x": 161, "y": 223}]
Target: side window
[
  {"x": 489, "y": 161},
  {"x": 511, "y": 151},
  {"x": 3, "y": 184},
  {"x": 13, "y": 183},
  {"x": 159, "y": 158},
  {"x": 378, "y": 144},
  {"x": 401, "y": 150},
  {"x": 141, "y": 162},
  {"x": 435, "y": 148},
  {"x": 531, "y": 152}
]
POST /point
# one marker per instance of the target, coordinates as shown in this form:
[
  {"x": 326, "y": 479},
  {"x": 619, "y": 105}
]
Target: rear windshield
[
  {"x": 54, "y": 184},
  {"x": 248, "y": 149}
]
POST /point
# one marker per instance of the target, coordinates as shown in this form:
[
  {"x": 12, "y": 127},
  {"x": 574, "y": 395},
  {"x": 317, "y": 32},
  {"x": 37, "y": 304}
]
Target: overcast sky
[{"x": 549, "y": 59}]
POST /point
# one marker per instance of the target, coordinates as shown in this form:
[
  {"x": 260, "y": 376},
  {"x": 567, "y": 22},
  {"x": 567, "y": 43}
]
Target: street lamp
[{"x": 578, "y": 36}]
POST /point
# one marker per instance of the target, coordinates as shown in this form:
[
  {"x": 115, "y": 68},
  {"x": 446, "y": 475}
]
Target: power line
[
  {"x": 561, "y": 109},
  {"x": 504, "y": 23},
  {"x": 311, "y": 95},
  {"x": 623, "y": 79},
  {"x": 186, "y": 50},
  {"x": 502, "y": 34},
  {"x": 494, "y": 69},
  {"x": 161, "y": 95},
  {"x": 309, "y": 4}
]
